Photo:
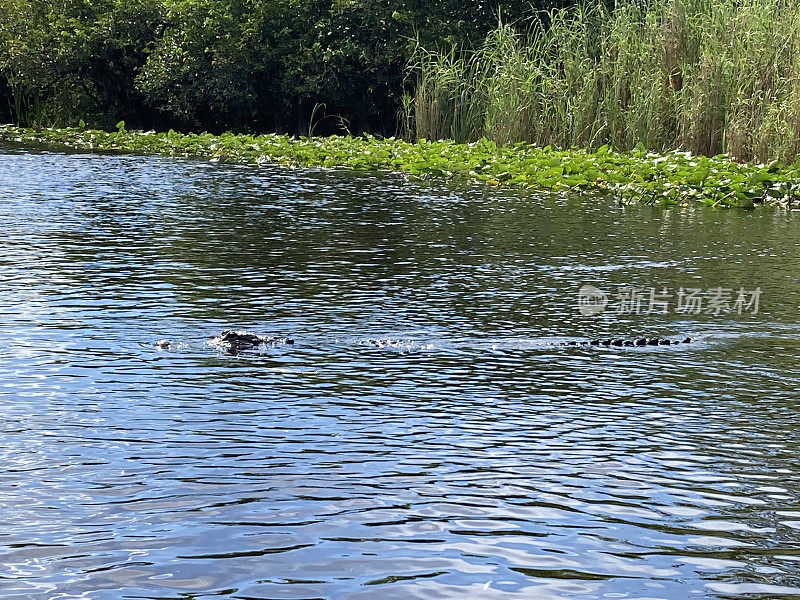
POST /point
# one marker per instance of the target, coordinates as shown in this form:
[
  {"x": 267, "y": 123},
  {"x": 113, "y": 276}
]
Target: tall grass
[{"x": 707, "y": 76}]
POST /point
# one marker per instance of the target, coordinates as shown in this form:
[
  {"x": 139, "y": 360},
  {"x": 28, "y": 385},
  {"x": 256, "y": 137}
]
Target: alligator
[{"x": 233, "y": 342}]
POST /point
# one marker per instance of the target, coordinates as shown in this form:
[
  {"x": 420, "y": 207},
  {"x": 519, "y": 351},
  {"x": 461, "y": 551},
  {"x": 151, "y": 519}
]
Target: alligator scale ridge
[
  {"x": 653, "y": 341},
  {"x": 233, "y": 342}
]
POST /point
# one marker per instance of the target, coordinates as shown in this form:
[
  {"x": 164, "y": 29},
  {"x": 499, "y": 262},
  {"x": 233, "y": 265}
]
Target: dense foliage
[
  {"x": 638, "y": 175},
  {"x": 692, "y": 75},
  {"x": 258, "y": 65}
]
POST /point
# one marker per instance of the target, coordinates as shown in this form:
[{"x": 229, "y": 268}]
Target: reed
[{"x": 702, "y": 76}]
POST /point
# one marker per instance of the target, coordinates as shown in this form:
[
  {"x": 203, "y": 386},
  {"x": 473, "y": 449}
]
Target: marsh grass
[{"x": 702, "y": 76}]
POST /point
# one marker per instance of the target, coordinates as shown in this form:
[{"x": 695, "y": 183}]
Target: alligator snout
[{"x": 231, "y": 341}]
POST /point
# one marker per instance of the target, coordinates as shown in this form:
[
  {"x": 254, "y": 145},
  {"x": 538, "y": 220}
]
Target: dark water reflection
[{"x": 473, "y": 460}]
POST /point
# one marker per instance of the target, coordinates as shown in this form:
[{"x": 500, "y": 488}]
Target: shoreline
[{"x": 635, "y": 176}]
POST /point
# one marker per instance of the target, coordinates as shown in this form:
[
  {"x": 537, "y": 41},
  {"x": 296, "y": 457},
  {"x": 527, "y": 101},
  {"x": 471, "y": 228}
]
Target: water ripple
[{"x": 425, "y": 436}]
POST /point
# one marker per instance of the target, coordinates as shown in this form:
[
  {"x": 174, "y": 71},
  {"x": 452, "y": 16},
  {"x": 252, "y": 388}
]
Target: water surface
[{"x": 472, "y": 457}]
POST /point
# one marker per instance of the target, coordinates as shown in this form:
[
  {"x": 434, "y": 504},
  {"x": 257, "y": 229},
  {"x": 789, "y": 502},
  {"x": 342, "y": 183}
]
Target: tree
[
  {"x": 274, "y": 65},
  {"x": 70, "y": 59}
]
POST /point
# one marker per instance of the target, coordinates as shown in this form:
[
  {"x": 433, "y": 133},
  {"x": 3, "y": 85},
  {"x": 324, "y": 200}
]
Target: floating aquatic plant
[{"x": 636, "y": 175}]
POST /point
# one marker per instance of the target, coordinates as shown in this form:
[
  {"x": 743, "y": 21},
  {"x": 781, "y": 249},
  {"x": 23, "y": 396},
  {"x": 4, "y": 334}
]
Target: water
[{"x": 470, "y": 458}]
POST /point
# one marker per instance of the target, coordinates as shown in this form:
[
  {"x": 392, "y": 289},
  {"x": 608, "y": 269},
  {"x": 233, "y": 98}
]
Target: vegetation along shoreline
[{"x": 632, "y": 176}]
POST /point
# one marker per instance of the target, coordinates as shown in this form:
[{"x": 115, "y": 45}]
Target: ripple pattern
[{"x": 472, "y": 458}]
